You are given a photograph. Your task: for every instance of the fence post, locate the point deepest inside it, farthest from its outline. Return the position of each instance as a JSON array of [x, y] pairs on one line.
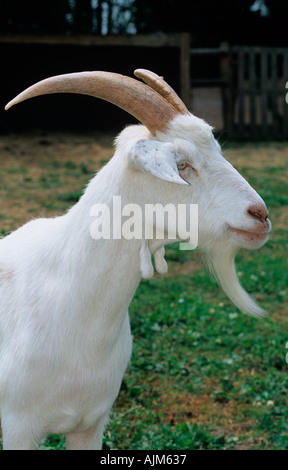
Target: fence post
[[225, 72], [264, 91], [285, 104], [241, 93], [253, 91], [185, 68]]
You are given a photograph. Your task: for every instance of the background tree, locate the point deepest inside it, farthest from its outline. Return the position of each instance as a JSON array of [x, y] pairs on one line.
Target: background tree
[[258, 22]]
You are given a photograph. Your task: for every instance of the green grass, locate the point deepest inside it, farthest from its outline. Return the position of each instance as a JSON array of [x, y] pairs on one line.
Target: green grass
[[202, 374]]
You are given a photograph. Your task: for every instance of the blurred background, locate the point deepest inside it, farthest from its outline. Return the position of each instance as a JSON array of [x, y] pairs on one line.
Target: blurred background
[[202, 375], [227, 60]]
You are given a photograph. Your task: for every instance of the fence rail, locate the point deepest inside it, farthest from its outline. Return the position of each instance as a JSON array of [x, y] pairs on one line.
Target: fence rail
[[180, 41]]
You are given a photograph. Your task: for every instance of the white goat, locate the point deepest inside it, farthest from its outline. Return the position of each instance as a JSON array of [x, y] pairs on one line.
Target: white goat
[[64, 329]]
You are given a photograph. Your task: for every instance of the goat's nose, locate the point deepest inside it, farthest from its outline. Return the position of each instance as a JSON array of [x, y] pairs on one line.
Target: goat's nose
[[258, 212]]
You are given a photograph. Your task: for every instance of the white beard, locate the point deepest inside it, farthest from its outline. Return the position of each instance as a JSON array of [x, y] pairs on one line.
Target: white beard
[[220, 261]]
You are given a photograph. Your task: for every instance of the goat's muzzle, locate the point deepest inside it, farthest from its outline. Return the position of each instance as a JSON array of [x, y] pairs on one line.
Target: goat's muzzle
[[256, 233]]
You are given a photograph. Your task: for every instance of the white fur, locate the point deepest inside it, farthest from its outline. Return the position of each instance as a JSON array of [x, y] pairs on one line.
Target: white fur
[[64, 329]]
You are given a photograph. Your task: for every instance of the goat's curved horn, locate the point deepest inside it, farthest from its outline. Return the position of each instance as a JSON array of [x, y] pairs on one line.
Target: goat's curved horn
[[138, 99], [158, 84]]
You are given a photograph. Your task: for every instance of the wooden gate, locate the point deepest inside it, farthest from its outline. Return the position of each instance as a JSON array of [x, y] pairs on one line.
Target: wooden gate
[[258, 77]]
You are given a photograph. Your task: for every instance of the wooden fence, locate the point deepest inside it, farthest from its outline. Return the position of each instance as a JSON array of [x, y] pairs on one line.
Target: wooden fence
[[180, 41], [252, 80], [257, 106]]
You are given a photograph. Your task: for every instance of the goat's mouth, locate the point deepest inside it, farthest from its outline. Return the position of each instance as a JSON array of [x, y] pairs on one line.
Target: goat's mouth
[[260, 234]]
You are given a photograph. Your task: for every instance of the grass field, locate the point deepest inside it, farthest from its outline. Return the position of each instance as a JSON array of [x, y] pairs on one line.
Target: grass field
[[202, 374]]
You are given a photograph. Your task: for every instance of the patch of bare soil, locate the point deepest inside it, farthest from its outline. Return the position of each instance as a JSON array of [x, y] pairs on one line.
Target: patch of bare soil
[[261, 157], [37, 167], [63, 146], [204, 410]]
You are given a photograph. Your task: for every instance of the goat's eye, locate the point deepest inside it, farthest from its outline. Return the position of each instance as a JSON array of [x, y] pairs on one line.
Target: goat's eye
[[182, 165]]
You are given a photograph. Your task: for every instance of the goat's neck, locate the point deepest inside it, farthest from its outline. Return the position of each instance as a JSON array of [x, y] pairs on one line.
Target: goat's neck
[[109, 269]]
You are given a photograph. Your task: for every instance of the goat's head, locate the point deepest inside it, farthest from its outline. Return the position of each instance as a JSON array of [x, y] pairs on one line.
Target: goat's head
[[183, 154]]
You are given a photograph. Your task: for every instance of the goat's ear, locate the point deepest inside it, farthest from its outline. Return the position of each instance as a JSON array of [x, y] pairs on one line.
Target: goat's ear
[[157, 158]]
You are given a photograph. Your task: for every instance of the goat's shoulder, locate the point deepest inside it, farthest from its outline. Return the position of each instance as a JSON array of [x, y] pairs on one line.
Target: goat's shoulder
[[36, 230]]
